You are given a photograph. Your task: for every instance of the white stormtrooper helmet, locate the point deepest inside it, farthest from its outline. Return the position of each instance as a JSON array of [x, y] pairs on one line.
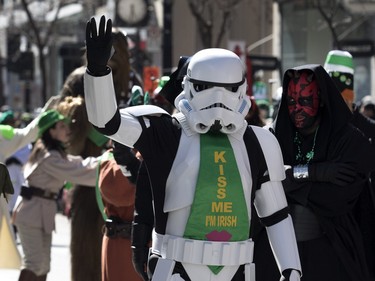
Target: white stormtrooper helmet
[[214, 95]]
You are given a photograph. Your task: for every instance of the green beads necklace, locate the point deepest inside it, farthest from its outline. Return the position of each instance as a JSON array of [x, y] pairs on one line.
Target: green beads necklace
[[300, 158]]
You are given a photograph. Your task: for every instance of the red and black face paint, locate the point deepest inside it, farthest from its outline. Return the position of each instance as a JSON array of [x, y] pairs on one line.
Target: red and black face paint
[[302, 99]]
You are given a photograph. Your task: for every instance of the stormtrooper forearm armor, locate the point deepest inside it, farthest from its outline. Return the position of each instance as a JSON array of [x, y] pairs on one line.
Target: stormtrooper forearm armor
[[271, 205], [100, 97]]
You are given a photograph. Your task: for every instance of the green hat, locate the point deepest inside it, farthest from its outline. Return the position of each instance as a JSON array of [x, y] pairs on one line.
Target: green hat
[[48, 118], [136, 96], [5, 116], [162, 81], [339, 61]]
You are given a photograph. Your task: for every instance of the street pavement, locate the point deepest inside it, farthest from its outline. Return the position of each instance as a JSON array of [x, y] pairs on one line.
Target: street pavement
[[60, 254]]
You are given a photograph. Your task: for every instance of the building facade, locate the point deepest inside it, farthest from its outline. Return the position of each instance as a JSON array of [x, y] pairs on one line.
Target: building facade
[[276, 34]]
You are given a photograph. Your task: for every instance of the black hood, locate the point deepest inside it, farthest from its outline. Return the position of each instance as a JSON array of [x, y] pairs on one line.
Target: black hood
[[335, 114]]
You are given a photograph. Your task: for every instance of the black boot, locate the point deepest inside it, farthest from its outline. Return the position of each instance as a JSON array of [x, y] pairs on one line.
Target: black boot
[[27, 275], [42, 277]]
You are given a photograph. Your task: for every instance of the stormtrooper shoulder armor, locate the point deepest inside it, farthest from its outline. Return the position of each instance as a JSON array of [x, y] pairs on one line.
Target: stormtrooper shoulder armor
[[272, 153]]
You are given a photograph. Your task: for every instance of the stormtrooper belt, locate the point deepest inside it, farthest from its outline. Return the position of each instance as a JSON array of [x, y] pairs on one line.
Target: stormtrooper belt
[[203, 252]]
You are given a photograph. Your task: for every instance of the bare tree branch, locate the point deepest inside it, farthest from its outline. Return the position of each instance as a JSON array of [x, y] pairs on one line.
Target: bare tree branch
[[203, 11], [328, 16], [223, 27], [41, 41]]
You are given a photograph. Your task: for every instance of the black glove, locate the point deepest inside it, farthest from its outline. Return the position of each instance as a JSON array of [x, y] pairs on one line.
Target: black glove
[[124, 156], [98, 46], [140, 259], [336, 173], [141, 236]]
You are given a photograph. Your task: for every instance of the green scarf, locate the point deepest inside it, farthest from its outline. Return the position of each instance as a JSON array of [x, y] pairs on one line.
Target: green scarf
[[219, 210]]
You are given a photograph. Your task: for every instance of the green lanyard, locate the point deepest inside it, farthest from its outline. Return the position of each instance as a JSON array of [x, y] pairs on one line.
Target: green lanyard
[[106, 156]]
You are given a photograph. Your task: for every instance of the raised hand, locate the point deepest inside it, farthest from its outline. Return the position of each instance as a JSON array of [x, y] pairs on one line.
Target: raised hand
[[98, 46]]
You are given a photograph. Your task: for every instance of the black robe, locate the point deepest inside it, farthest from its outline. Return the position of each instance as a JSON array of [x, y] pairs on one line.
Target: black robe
[[339, 254]]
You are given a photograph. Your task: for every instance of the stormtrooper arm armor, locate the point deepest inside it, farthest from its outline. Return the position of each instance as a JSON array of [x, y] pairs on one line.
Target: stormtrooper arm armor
[[272, 208], [120, 125], [100, 99]]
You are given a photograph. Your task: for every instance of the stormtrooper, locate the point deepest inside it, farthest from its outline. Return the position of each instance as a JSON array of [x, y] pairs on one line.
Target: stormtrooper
[[205, 167]]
